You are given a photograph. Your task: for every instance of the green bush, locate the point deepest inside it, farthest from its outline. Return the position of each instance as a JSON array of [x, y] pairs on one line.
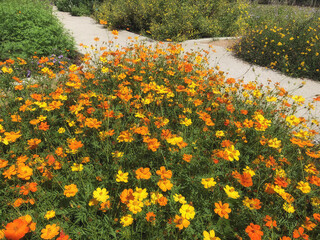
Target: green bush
[[285, 40], [176, 20], [76, 7], [29, 27]]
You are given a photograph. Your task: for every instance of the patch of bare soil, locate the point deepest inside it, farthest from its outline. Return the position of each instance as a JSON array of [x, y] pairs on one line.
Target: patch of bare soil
[[228, 43]]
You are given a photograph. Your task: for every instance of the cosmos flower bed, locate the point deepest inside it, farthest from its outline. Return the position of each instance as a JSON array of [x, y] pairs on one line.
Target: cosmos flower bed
[[148, 143]]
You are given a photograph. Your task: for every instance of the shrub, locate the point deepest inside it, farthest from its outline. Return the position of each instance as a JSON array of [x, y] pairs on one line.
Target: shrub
[[176, 20], [148, 143], [290, 46], [28, 28], [76, 7]]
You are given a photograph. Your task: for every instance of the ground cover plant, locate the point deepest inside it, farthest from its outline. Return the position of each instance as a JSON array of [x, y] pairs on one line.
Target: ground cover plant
[[175, 20], [29, 28], [149, 143], [283, 38]]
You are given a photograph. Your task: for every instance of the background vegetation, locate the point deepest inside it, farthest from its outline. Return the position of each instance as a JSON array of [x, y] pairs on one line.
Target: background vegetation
[[175, 20], [29, 27], [283, 38]]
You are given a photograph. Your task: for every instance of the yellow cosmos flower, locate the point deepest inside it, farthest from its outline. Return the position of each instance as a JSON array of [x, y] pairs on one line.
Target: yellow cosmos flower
[[231, 192], [304, 187], [50, 214], [274, 143], [174, 140], [208, 182], [271, 99], [77, 167], [140, 194], [6, 70], [187, 211], [50, 231], [232, 153], [126, 220], [288, 207], [179, 198], [61, 130], [186, 121], [249, 170], [101, 194], [220, 134], [135, 206], [293, 120], [122, 177], [210, 235]]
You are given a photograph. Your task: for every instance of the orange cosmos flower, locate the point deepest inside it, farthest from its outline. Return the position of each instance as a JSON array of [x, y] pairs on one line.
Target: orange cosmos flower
[[162, 201], [44, 126], [245, 179], [269, 222], [125, 136], [50, 231], [181, 222], [254, 232], [36, 96], [33, 143], [10, 172], [11, 136], [153, 143], [126, 195], [187, 157], [63, 236], [70, 190], [18, 202], [55, 105], [15, 118], [308, 224], [103, 22], [24, 172], [143, 173], [74, 144], [144, 130], [18, 87], [164, 173], [316, 216], [3, 163], [253, 203], [16, 229], [92, 123], [222, 210], [285, 238], [165, 185], [297, 233], [150, 217], [28, 187]]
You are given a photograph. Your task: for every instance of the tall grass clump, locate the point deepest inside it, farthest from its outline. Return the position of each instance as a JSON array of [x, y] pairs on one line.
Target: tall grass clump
[[149, 143], [286, 39], [175, 20], [28, 28]]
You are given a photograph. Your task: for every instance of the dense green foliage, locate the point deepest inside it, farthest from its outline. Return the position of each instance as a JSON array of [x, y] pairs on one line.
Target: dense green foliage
[[283, 38], [29, 27], [176, 20], [76, 7]]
